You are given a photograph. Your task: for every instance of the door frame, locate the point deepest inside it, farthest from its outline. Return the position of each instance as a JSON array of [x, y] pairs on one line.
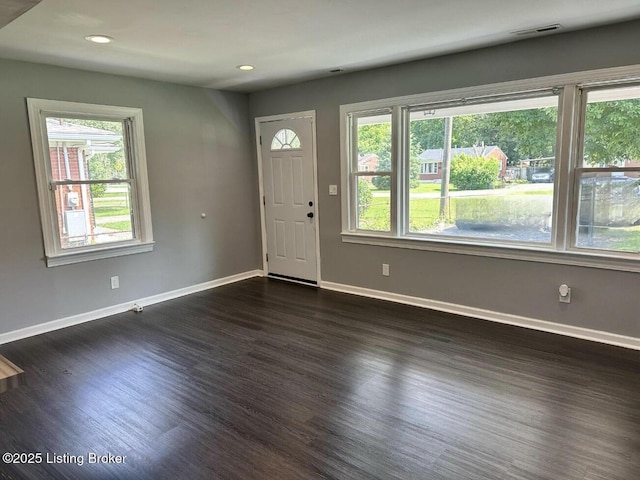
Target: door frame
[[314, 156]]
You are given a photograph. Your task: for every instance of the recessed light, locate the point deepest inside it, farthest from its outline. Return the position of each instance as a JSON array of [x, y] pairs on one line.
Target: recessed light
[[98, 38], [245, 68]]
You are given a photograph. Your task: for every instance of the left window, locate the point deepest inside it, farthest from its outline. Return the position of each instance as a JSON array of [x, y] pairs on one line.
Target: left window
[[91, 174]]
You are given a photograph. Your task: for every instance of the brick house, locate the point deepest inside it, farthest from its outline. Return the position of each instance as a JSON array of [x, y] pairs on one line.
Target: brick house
[[368, 162], [431, 159], [70, 148]]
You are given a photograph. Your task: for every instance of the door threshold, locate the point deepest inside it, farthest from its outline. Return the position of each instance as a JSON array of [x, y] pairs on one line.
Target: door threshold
[[287, 278], [11, 376]]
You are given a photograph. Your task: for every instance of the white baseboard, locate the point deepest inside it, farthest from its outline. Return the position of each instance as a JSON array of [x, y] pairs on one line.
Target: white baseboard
[[123, 307], [533, 323]]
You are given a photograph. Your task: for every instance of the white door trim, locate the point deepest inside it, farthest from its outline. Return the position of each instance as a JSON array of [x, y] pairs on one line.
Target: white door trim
[[263, 225]]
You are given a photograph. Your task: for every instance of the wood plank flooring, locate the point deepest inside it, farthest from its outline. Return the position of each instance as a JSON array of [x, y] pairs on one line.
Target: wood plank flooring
[[268, 380]]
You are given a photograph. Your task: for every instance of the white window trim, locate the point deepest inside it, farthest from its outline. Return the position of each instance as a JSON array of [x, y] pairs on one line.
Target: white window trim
[[560, 250], [38, 110], [430, 168]]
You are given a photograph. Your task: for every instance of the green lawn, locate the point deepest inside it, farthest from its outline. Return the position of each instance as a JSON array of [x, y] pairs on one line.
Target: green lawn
[[424, 214], [122, 226], [424, 211], [430, 188], [512, 208], [423, 188], [535, 192], [628, 239], [623, 239], [529, 209], [110, 205]]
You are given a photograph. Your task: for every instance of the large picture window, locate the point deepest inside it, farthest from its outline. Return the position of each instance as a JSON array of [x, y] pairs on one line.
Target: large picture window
[[474, 193], [91, 175], [551, 169]]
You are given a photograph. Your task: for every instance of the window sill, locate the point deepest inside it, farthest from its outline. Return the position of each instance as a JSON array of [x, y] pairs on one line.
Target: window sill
[[621, 262], [98, 253]]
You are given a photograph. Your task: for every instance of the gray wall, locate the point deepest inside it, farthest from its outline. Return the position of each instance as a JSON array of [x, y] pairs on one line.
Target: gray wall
[[199, 160], [601, 299]]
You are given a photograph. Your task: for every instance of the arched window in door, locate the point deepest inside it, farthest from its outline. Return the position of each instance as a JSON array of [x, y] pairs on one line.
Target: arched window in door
[[284, 139]]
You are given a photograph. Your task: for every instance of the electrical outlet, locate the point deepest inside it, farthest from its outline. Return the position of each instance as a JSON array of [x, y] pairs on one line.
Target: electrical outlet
[[385, 269], [137, 308], [564, 294], [115, 282]]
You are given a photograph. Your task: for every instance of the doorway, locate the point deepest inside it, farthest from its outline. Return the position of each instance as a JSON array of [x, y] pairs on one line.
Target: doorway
[[288, 188]]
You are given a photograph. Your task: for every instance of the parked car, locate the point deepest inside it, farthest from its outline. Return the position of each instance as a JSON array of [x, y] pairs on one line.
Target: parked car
[[542, 177], [613, 180]]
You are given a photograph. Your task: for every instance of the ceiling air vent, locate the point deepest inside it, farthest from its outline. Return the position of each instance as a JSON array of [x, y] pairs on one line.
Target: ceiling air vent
[[537, 30]]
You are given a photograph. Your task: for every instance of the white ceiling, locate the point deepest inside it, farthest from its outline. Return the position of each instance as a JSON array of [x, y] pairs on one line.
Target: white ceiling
[[200, 42]]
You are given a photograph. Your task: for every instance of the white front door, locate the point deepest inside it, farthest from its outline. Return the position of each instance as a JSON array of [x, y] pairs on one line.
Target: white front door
[[289, 198]]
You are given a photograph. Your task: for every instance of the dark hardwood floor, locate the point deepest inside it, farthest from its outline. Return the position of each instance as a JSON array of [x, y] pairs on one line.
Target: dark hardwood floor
[[269, 380]]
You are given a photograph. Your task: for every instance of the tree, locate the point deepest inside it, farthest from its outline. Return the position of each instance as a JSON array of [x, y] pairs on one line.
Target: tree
[[525, 134], [383, 182], [414, 164], [102, 166], [376, 139], [611, 132], [474, 173], [521, 134], [428, 133], [364, 196]]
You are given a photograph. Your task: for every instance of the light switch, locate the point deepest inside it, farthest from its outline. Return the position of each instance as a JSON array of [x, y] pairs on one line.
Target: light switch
[[333, 189]]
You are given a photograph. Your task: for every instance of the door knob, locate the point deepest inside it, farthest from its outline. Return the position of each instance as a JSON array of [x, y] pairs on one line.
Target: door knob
[[310, 214]]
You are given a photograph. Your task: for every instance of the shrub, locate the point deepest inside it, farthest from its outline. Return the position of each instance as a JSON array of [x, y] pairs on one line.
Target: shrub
[[474, 173], [382, 182], [364, 195]]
